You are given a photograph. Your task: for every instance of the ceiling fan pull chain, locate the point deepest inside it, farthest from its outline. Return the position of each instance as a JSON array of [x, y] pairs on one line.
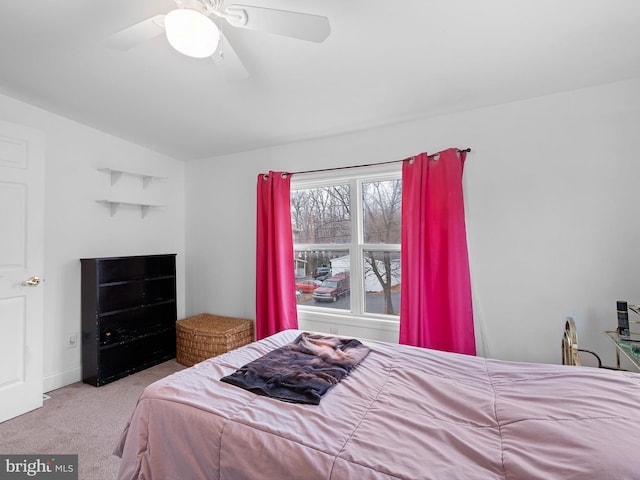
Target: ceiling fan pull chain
[[221, 49]]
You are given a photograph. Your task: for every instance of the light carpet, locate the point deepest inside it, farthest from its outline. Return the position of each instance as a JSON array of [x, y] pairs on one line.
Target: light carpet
[[84, 420]]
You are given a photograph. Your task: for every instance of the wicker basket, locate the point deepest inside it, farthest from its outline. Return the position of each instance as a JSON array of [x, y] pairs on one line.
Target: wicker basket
[[204, 336]]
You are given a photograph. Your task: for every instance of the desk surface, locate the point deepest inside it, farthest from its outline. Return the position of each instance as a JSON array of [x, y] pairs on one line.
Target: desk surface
[[629, 348]]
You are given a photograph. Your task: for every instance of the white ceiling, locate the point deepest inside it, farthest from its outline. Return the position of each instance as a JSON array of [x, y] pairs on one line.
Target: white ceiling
[[384, 62]]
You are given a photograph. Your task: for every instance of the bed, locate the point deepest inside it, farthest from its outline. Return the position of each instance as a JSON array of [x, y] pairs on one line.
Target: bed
[[402, 413]]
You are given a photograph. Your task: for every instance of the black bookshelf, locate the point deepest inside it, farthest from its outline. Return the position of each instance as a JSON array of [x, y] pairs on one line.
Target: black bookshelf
[[128, 315]]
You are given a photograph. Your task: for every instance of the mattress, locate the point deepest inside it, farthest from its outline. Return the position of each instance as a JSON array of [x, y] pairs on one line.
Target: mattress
[[403, 413]]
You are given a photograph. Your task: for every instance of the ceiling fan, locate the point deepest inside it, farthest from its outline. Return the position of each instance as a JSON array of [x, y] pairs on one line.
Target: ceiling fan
[[195, 28]]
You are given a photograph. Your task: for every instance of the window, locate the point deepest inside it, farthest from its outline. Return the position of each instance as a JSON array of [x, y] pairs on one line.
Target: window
[[346, 235]]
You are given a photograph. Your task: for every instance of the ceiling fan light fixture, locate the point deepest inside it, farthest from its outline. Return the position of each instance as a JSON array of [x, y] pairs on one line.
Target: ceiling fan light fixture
[[191, 32]]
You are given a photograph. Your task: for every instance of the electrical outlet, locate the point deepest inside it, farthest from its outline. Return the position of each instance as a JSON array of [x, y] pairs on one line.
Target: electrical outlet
[[333, 330], [72, 341]]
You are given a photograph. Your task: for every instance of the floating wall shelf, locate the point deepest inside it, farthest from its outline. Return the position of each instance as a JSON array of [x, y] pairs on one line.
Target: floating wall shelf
[[116, 174], [115, 204]]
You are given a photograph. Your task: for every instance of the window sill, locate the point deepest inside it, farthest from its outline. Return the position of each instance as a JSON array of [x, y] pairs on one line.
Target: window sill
[[371, 328]]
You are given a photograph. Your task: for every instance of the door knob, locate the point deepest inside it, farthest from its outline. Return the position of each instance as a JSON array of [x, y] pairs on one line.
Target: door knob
[[31, 282]]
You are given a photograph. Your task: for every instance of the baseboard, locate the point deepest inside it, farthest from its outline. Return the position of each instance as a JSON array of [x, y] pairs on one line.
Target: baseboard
[[59, 380]]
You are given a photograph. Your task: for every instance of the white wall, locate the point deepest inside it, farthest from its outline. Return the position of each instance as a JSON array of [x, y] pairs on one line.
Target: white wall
[[552, 208], [78, 227]]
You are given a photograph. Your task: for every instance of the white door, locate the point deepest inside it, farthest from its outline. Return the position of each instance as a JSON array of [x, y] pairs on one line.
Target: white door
[[21, 269]]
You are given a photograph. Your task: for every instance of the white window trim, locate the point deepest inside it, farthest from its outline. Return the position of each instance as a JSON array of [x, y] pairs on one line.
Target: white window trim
[[355, 177]]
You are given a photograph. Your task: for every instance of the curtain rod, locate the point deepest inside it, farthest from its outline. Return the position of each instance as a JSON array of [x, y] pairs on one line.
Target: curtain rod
[[467, 150]]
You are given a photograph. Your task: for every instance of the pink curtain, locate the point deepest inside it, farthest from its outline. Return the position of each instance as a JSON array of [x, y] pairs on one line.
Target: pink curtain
[[435, 305], [275, 283]]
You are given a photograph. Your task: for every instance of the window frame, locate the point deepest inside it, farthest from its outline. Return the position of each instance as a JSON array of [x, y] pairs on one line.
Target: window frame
[[355, 177]]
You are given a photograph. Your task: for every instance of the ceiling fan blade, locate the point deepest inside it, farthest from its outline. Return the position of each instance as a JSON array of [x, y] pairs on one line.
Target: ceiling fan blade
[[135, 34], [304, 26], [228, 62]]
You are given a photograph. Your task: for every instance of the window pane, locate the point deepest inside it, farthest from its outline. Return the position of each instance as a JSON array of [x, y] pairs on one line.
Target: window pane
[[382, 211], [321, 215], [322, 278], [382, 282]]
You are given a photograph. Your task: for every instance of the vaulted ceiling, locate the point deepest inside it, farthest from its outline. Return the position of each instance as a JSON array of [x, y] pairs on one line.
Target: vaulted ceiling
[[384, 62]]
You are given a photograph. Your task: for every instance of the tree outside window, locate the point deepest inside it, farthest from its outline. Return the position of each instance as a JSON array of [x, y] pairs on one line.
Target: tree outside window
[[350, 228]]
